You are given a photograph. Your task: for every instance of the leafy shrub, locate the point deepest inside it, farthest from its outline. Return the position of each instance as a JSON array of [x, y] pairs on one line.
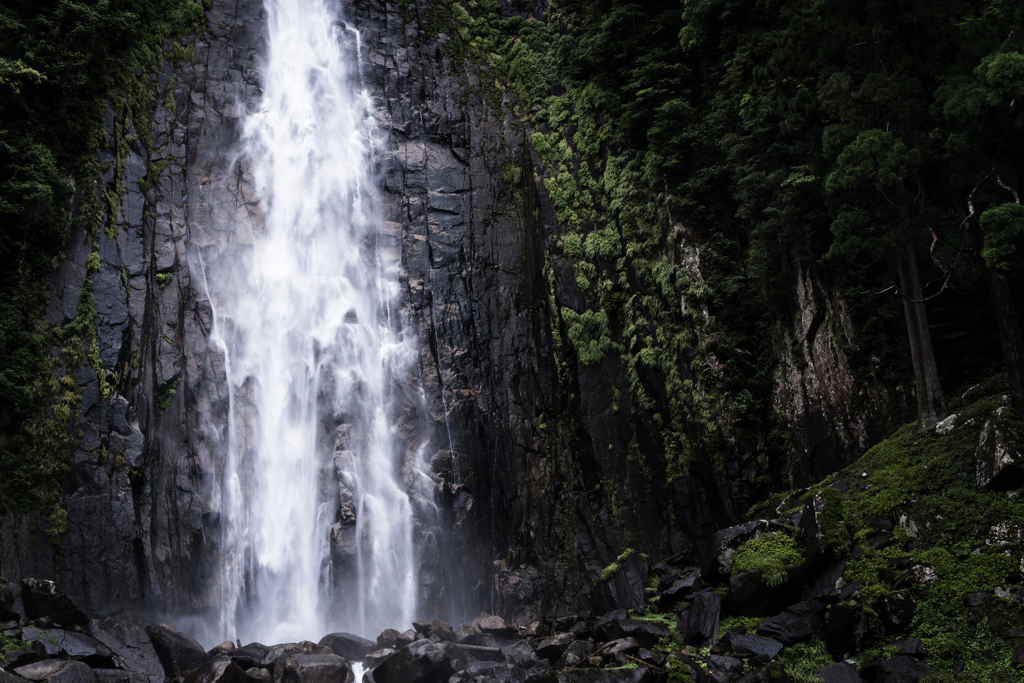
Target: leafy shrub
[[769, 554]]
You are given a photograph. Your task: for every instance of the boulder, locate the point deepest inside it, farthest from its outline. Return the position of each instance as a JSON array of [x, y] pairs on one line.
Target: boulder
[[10, 678], [277, 657], [130, 647], [222, 649], [481, 652], [638, 675], [816, 549], [623, 588], [699, 622], [730, 667], [373, 659], [842, 672], [220, 669], [496, 626], [57, 671], [845, 630], [118, 676], [19, 658], [553, 648], [462, 634], [684, 589], [797, 624], [896, 670], [909, 647], [7, 612], [537, 629], [507, 672], [481, 668], [60, 644], [419, 662], [317, 669], [348, 646], [388, 638], [576, 655], [249, 657], [750, 597], [897, 609], [42, 598], [178, 652], [442, 629], [519, 653], [718, 565], [752, 645], [999, 465], [644, 632], [829, 585], [626, 646]]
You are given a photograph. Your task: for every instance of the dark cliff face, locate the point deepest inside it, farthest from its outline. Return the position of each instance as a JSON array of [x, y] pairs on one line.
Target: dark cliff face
[[545, 473]]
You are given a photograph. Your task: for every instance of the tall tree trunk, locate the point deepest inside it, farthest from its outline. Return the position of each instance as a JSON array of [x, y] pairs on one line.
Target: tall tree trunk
[[931, 402], [1009, 332]]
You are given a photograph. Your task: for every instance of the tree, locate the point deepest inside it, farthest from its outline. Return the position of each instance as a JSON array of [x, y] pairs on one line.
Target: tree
[[877, 218]]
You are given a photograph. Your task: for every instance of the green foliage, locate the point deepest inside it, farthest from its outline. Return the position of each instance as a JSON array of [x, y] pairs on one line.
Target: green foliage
[[589, 334], [748, 624], [924, 483], [802, 661], [609, 572], [164, 393], [8, 645], [769, 554], [1003, 229], [164, 279]]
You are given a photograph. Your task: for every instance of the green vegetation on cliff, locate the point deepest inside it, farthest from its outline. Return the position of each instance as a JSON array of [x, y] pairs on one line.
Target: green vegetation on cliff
[[921, 559], [721, 171], [58, 63]]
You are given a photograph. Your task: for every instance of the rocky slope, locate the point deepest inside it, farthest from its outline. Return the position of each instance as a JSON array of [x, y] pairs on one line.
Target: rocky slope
[[904, 567]]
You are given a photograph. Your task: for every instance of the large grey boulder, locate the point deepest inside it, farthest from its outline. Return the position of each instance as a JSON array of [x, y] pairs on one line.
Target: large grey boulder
[[43, 598], [220, 669], [752, 645], [179, 653], [60, 644], [57, 671], [276, 659], [700, 621], [348, 646], [317, 669], [118, 676], [797, 624], [998, 459], [637, 675], [419, 662], [130, 647], [625, 588]]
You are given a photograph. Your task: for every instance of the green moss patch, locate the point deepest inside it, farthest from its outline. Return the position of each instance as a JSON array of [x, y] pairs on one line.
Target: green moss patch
[[769, 554]]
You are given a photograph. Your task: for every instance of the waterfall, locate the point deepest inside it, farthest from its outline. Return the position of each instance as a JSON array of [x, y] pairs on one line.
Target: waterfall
[[317, 530]]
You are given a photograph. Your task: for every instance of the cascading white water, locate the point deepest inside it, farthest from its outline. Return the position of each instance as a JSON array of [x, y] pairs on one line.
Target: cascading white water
[[308, 343]]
